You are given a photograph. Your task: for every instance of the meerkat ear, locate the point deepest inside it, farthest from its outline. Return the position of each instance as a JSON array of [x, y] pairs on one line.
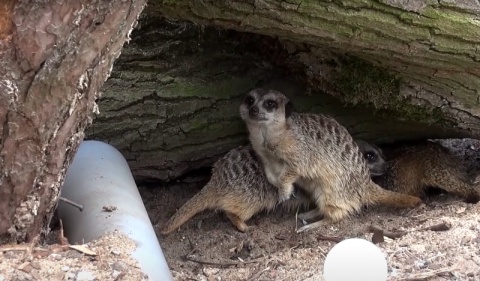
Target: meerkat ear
[[288, 109]]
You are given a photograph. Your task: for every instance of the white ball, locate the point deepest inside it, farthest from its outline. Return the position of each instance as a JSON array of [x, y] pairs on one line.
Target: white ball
[[355, 259]]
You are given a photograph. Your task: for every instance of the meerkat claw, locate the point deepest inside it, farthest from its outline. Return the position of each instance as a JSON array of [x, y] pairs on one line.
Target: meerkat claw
[[309, 215], [310, 226]]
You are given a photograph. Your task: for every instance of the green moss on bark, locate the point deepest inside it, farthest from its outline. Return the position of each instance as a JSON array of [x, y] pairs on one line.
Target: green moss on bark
[[363, 83]]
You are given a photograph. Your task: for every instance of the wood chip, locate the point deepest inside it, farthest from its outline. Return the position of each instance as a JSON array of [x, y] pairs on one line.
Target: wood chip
[[83, 249], [377, 236], [25, 267]]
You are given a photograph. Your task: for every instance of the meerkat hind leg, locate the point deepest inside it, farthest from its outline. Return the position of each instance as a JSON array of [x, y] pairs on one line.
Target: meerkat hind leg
[[331, 214], [390, 198], [237, 221], [312, 225]]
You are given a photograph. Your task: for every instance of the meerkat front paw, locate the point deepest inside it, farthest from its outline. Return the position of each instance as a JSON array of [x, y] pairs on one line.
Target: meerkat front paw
[[270, 146], [284, 196], [309, 215], [286, 192]]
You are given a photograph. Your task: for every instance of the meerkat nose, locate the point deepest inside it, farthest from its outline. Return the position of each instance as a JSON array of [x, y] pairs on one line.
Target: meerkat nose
[[253, 111]]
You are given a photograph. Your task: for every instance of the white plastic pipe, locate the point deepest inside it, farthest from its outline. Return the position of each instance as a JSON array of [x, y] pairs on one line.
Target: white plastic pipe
[[99, 176]]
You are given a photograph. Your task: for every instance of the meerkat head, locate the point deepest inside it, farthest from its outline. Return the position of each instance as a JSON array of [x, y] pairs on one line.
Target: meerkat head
[[374, 157], [265, 106]]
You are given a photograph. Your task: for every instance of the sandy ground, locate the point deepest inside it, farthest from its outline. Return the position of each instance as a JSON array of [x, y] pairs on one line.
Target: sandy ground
[[439, 241], [108, 258]]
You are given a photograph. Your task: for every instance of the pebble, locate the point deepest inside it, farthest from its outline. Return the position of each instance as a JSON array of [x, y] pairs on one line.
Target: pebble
[[2, 277], [115, 274], [35, 275], [85, 276], [9, 255], [418, 248], [115, 252], [73, 254], [208, 271], [35, 264], [56, 256], [69, 276], [119, 266], [22, 276], [65, 268], [242, 271], [25, 267]]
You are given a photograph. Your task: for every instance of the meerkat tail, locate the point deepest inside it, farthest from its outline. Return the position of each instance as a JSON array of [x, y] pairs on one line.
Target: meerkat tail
[[463, 190], [473, 197], [389, 198], [198, 203], [455, 185]]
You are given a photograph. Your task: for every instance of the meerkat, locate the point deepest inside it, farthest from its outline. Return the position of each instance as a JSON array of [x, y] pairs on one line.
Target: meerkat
[[238, 186], [412, 168], [316, 151]]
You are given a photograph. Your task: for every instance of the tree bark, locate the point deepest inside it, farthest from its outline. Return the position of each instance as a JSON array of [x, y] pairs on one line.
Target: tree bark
[[55, 55], [431, 47], [171, 104]]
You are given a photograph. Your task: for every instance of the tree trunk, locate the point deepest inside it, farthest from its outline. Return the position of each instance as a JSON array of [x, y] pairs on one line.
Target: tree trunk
[[431, 47], [172, 102], [55, 55]]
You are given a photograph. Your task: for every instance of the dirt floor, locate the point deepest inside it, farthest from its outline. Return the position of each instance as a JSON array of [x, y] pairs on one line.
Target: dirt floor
[[440, 241], [108, 258]]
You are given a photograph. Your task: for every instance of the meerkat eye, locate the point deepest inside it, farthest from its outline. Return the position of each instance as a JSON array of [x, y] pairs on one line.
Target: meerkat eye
[[270, 104], [370, 156], [249, 100]]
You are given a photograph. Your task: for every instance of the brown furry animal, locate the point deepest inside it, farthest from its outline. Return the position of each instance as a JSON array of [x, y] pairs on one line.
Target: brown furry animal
[[315, 151], [239, 187], [412, 168]]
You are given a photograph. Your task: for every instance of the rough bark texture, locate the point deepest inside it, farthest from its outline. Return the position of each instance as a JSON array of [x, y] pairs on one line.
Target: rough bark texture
[[171, 104], [55, 55], [430, 46]]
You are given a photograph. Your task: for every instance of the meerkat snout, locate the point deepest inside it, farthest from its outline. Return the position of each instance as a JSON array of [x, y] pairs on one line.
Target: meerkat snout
[[253, 112]]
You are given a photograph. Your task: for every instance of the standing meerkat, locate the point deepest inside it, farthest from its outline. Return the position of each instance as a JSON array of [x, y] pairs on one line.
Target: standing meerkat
[[412, 168], [238, 186], [316, 151]]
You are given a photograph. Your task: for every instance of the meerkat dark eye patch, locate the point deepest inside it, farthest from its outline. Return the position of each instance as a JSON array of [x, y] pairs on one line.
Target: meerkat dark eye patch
[[288, 109], [270, 105], [370, 156], [249, 100]]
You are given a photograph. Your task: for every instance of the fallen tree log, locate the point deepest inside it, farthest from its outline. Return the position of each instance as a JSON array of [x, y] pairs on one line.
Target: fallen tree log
[[430, 47], [171, 104]]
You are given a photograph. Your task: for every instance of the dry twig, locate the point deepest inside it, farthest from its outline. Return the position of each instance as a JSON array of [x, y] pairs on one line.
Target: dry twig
[[329, 238], [428, 274], [229, 263], [393, 235], [258, 274]]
